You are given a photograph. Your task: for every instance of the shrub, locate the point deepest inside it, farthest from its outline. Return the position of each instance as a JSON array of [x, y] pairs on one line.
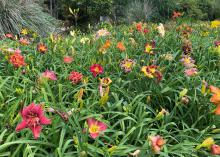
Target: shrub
[[16, 14]]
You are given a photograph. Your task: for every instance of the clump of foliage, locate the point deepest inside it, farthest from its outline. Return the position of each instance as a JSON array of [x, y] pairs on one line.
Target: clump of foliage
[[18, 14], [132, 90]]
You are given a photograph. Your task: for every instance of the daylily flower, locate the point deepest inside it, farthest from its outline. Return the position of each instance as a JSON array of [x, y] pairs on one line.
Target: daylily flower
[[146, 30], [67, 59], [50, 75], [152, 72], [95, 127], [191, 72], [24, 31], [17, 60], [84, 40], [149, 47], [176, 14], [215, 24], [187, 47], [215, 99], [75, 77], [33, 118], [9, 35], [24, 41], [127, 65], [120, 46], [102, 33], [105, 81], [96, 69], [161, 30], [157, 143], [187, 61], [105, 47], [217, 43], [139, 27], [215, 149], [42, 48]]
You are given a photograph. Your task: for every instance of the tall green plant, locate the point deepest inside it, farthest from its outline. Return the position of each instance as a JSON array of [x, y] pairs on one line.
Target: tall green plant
[[17, 14]]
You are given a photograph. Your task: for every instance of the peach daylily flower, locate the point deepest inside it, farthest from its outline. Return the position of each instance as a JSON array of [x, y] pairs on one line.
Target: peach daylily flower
[[157, 143]]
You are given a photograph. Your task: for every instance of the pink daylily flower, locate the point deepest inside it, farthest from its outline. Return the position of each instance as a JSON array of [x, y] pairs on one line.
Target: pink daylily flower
[[95, 127], [49, 75], [33, 118]]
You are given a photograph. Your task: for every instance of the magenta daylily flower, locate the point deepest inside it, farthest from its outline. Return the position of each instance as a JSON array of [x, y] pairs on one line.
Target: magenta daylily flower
[[95, 127], [49, 75], [33, 118]]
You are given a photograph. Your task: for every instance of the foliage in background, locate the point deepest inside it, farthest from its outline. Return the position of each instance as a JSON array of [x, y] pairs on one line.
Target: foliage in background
[[18, 14]]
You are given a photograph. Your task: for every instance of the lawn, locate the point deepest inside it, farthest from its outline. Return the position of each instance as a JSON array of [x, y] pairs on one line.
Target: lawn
[[140, 90]]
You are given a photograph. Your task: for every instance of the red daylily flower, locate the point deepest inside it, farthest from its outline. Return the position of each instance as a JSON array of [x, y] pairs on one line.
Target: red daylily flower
[[67, 59], [42, 48], [96, 69], [17, 60], [95, 127], [157, 143], [139, 27], [75, 77], [33, 118]]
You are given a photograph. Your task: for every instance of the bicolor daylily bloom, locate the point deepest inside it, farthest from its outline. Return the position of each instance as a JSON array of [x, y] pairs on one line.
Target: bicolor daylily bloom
[[157, 143], [42, 48], [149, 47], [96, 69], [95, 127], [75, 77], [152, 72], [187, 61], [127, 65], [50, 75], [33, 118], [105, 81]]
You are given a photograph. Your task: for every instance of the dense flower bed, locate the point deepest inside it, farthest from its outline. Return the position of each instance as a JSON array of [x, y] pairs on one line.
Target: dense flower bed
[[137, 90]]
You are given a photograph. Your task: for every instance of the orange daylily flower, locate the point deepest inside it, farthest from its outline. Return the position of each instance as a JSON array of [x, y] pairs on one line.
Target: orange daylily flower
[[121, 46], [215, 99], [176, 14]]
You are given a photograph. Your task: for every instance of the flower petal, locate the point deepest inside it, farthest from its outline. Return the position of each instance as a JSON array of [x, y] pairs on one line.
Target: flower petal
[[94, 135], [91, 121], [214, 90], [36, 131], [21, 126], [44, 120]]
